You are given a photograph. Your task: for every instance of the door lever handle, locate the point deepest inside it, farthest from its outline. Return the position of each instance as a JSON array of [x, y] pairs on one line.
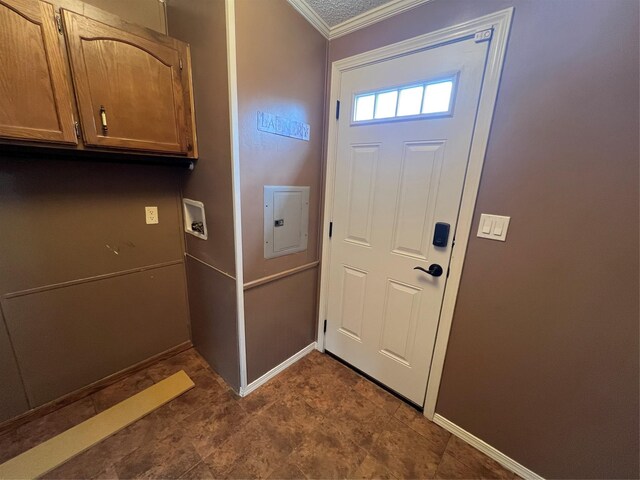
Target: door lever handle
[[434, 270]]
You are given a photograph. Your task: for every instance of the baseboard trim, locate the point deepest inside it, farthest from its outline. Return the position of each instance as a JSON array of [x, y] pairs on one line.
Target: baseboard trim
[[485, 448], [83, 392], [277, 369]]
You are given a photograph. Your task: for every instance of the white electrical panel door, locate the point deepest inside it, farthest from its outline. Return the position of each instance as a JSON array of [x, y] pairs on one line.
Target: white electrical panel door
[[286, 220]]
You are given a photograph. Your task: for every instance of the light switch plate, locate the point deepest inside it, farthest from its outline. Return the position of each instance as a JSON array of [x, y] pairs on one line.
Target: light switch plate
[[151, 214], [493, 227]]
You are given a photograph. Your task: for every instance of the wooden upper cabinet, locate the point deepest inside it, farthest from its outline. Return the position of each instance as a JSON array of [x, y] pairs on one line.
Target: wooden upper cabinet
[[129, 88], [35, 93]]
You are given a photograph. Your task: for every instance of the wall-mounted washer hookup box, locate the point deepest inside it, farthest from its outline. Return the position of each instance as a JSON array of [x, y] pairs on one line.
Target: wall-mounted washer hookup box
[[286, 220], [195, 221]]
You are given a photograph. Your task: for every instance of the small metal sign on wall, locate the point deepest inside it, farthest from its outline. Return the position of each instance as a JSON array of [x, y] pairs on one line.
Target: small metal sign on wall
[[283, 126]]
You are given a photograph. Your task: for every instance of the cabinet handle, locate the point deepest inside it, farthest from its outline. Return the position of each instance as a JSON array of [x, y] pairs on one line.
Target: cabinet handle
[[103, 119]]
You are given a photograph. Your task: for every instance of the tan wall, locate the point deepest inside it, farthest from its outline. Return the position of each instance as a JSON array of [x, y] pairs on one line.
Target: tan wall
[[202, 25], [74, 238], [280, 320], [281, 70], [212, 294], [146, 13], [212, 298], [543, 357], [66, 338], [13, 399]]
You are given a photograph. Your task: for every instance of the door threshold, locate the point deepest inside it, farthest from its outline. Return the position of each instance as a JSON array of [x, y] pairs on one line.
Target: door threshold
[[377, 382]]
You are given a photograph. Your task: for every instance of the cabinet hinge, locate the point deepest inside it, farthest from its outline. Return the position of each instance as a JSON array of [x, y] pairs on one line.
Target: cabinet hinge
[[330, 229], [180, 63], [76, 126], [338, 110], [59, 23], [325, 325]]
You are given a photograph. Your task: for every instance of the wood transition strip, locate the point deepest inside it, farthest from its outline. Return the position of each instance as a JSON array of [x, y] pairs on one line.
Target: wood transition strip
[[61, 448], [90, 389], [278, 276]]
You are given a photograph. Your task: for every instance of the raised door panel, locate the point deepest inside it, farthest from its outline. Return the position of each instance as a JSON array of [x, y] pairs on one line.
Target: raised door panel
[[400, 320], [417, 192], [362, 178], [354, 288], [129, 88], [35, 94]]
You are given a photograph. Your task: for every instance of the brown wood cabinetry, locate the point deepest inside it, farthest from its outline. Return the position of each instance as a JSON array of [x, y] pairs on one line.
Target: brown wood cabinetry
[[132, 87], [128, 88], [35, 94]]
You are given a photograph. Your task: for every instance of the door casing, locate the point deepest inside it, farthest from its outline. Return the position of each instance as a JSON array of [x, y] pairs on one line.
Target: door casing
[[499, 24]]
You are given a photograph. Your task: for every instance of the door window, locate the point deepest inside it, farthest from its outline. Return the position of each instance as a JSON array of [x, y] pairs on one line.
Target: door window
[[431, 98]]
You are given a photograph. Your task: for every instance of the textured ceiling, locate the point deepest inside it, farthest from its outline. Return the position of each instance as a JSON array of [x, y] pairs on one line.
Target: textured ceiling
[[334, 12]]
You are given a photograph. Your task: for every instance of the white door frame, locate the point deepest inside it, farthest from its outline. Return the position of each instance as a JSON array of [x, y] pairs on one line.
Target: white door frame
[[500, 23]]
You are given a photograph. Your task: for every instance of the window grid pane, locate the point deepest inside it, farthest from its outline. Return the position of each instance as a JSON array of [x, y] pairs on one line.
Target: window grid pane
[[437, 97], [410, 101], [364, 107], [386, 104]]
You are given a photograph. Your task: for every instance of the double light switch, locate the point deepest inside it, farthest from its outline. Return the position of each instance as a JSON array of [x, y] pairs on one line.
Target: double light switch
[[493, 227]]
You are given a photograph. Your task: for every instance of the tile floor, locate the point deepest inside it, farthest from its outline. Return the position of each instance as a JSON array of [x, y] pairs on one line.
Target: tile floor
[[318, 419]]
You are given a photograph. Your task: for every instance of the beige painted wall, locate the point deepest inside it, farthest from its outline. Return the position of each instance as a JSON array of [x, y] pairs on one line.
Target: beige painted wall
[[202, 25], [280, 320], [281, 70], [73, 235], [543, 357], [67, 338], [212, 300], [146, 13], [289, 48], [13, 399], [211, 292], [282, 74], [74, 238]]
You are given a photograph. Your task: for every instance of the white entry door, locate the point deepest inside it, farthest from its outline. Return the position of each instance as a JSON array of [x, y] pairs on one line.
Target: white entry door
[[404, 136]]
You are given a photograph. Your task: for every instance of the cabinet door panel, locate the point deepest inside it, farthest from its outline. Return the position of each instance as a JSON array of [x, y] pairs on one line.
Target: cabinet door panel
[[35, 95], [128, 88]]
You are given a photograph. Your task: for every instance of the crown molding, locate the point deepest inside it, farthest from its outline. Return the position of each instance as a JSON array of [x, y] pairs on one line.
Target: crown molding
[[394, 7], [311, 16], [372, 16]]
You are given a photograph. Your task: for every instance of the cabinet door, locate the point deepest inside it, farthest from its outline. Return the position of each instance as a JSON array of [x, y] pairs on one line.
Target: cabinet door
[[35, 94], [128, 87]]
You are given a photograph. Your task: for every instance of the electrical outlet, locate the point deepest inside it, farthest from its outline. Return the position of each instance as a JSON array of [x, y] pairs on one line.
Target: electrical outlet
[[151, 215]]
